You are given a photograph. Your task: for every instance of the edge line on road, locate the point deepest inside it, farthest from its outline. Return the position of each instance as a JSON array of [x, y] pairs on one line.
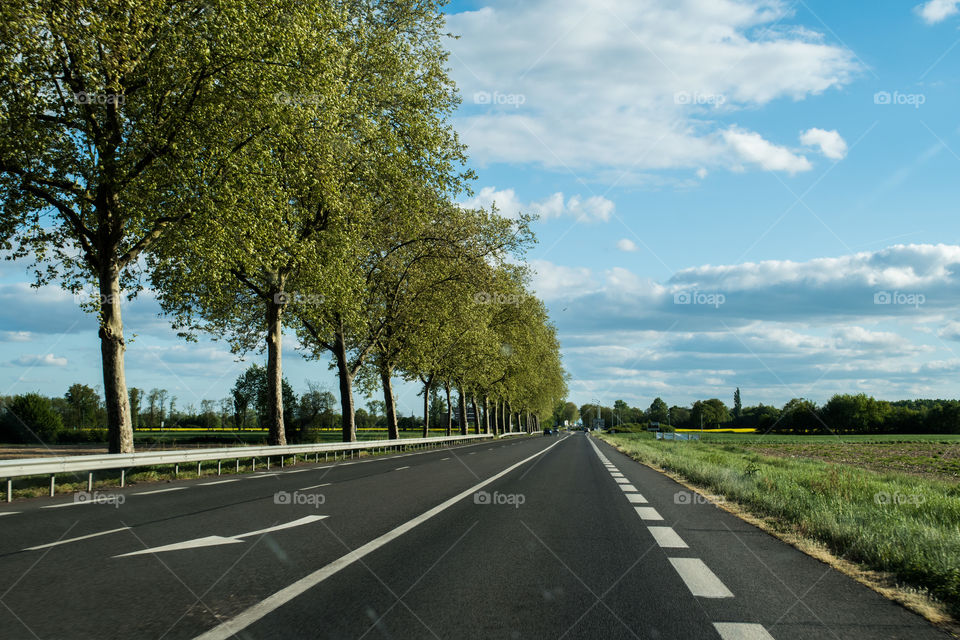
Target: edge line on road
[[231, 627]]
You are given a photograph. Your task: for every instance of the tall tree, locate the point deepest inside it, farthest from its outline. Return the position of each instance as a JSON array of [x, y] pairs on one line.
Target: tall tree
[[116, 118]]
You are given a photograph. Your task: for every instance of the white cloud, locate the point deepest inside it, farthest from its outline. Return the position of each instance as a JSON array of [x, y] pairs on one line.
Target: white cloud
[[831, 144], [937, 10], [45, 360], [552, 281], [17, 336], [626, 244], [592, 209], [784, 328], [751, 147], [631, 86], [506, 201]]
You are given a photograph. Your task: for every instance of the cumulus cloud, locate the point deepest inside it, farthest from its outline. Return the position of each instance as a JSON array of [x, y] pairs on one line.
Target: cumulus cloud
[[938, 10], [592, 209], [44, 360], [781, 328], [753, 148], [626, 244], [830, 143], [16, 336], [634, 86]]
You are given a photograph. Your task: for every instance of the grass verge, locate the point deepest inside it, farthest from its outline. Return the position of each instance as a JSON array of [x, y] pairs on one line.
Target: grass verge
[[904, 526]]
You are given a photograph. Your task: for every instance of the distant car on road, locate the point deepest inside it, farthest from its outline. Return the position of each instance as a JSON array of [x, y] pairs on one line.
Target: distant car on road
[[548, 432]]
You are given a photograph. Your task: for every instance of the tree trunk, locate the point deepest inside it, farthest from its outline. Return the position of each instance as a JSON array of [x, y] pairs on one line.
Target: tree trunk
[[112, 347], [446, 386], [486, 413], [462, 412], [508, 410], [528, 422], [348, 425], [393, 431], [476, 414], [426, 407], [278, 434]]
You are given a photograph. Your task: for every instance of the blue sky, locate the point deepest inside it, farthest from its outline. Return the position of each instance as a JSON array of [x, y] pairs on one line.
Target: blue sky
[[756, 194]]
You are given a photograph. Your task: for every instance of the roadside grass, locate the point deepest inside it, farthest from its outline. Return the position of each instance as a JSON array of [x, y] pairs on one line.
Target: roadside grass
[[900, 524], [864, 438]]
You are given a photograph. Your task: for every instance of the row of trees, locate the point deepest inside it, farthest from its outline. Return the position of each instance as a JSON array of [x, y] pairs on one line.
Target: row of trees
[[843, 413], [269, 166]]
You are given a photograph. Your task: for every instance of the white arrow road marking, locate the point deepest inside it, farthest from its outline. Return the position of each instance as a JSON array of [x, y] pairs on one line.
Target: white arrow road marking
[[150, 493], [210, 541], [741, 631], [59, 542]]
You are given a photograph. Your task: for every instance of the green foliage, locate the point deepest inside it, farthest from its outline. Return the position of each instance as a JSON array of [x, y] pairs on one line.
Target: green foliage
[[29, 419]]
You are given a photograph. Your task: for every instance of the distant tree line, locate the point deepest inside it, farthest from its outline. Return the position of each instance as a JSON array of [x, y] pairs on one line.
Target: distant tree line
[[843, 413]]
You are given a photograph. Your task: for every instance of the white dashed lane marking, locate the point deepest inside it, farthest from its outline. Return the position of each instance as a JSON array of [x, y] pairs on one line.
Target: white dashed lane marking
[[667, 538], [648, 513], [699, 579], [636, 498]]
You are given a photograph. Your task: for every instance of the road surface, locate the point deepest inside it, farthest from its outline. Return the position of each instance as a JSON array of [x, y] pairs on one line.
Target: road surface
[[539, 537]]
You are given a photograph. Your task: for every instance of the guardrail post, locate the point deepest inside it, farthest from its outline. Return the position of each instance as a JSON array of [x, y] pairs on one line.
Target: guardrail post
[[90, 482], [123, 478], [281, 461], [52, 481], [218, 467], [254, 463], [238, 465], [198, 468], [9, 489], [268, 463], [176, 470]]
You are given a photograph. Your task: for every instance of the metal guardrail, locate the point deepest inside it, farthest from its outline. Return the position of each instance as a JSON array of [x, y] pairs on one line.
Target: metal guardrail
[[20, 468]]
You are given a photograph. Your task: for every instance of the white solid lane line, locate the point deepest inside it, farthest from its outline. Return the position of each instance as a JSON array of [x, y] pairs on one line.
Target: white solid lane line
[[150, 493], [210, 484], [316, 486], [401, 468], [68, 540], [667, 538], [232, 627], [628, 488], [442, 459], [262, 475], [741, 631], [648, 513], [699, 579], [9, 513], [636, 498]]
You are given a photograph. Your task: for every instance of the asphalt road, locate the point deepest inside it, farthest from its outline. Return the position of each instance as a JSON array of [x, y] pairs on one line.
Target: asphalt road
[[541, 537]]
